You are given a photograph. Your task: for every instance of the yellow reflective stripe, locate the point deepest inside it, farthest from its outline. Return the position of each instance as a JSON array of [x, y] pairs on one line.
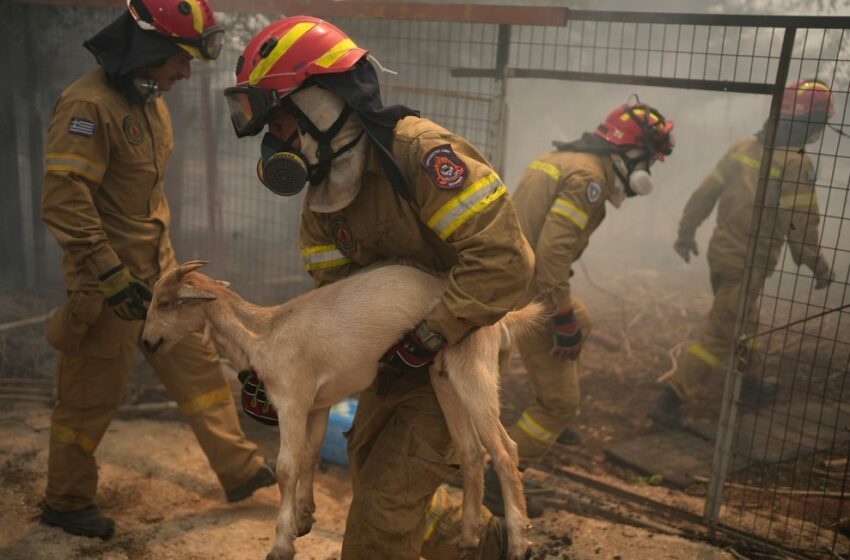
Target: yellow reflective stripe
[[196, 53], [570, 211], [74, 163], [471, 200], [808, 86], [335, 53], [546, 168], [197, 16], [283, 45], [798, 200], [534, 430], [435, 512], [319, 257], [203, 402], [750, 161], [68, 436], [652, 118], [704, 354]]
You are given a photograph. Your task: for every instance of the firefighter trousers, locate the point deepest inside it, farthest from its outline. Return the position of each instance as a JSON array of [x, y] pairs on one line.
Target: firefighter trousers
[[96, 354], [400, 452], [710, 352], [556, 385]]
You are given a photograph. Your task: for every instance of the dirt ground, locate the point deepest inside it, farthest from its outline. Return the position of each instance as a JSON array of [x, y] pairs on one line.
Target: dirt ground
[[155, 483]]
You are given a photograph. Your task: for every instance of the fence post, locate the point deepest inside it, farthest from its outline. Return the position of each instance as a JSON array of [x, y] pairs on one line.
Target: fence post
[[503, 53], [732, 387]]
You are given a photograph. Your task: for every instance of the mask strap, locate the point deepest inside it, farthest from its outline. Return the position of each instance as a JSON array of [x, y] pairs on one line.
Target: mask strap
[[348, 146]]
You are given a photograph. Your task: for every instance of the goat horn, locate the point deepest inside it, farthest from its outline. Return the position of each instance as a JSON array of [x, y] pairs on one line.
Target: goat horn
[[191, 293], [188, 267]]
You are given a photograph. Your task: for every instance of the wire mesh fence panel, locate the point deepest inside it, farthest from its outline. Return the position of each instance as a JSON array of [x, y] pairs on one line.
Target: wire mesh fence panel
[[790, 423]]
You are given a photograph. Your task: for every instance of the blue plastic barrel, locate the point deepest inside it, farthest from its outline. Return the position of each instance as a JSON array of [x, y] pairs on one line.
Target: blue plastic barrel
[[333, 448]]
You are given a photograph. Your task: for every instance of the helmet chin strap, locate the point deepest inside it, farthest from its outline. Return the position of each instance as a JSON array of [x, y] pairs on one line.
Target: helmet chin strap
[[838, 130], [324, 152], [147, 88]]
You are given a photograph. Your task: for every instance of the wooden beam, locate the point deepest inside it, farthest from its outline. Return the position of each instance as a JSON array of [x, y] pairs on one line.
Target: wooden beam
[[461, 13]]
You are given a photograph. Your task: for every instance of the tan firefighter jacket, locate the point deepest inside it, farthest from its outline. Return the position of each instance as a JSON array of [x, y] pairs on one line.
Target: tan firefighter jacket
[[460, 221], [791, 208], [103, 194], [560, 201]]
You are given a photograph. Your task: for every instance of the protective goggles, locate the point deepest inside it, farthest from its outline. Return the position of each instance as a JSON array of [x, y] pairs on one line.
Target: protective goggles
[[250, 108], [208, 44]]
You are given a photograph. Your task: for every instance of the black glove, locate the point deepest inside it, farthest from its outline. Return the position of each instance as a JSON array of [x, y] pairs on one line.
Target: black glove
[[125, 294], [823, 274], [567, 335], [255, 402], [415, 350], [684, 247]]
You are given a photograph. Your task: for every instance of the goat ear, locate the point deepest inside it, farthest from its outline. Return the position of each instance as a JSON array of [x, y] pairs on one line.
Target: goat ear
[[190, 293], [188, 267], [206, 338], [224, 283]]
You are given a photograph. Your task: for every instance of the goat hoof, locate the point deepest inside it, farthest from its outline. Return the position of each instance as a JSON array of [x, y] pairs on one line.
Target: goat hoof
[[305, 525], [277, 554], [519, 553]]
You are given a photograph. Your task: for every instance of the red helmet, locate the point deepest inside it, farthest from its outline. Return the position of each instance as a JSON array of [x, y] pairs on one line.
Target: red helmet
[[278, 60], [808, 99], [189, 23], [636, 125]]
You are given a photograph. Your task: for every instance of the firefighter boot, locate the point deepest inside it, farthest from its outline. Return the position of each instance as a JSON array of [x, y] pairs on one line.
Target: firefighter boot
[[264, 477], [569, 437], [494, 501], [754, 390], [668, 409], [86, 522]]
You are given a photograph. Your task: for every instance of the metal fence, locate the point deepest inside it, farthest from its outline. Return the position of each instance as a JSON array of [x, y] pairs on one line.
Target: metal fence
[[477, 71]]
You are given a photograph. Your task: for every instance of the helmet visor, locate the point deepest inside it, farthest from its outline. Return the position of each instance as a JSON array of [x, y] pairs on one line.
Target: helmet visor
[[208, 45], [211, 42], [250, 108]]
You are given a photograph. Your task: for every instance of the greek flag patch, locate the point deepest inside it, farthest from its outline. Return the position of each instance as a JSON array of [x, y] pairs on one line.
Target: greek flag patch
[[81, 126]]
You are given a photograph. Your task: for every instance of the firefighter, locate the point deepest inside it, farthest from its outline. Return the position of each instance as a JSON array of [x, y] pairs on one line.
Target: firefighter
[[791, 212], [561, 200], [107, 146], [384, 184]]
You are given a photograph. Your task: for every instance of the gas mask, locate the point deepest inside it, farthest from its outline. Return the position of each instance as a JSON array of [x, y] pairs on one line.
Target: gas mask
[[331, 158], [632, 170], [282, 168]]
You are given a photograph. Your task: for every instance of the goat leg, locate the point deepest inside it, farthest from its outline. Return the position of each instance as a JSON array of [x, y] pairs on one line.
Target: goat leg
[[293, 428], [471, 455], [317, 424]]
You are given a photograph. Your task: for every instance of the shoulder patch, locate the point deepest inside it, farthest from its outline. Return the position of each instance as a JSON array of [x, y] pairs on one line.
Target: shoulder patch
[[593, 191], [134, 133], [446, 170], [81, 126]]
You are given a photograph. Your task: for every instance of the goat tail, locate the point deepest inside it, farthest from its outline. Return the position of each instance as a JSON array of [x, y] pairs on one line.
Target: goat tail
[[522, 322]]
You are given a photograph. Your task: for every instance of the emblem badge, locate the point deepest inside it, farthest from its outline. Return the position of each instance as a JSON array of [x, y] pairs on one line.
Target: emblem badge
[[593, 191], [446, 170], [341, 234], [134, 133]]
